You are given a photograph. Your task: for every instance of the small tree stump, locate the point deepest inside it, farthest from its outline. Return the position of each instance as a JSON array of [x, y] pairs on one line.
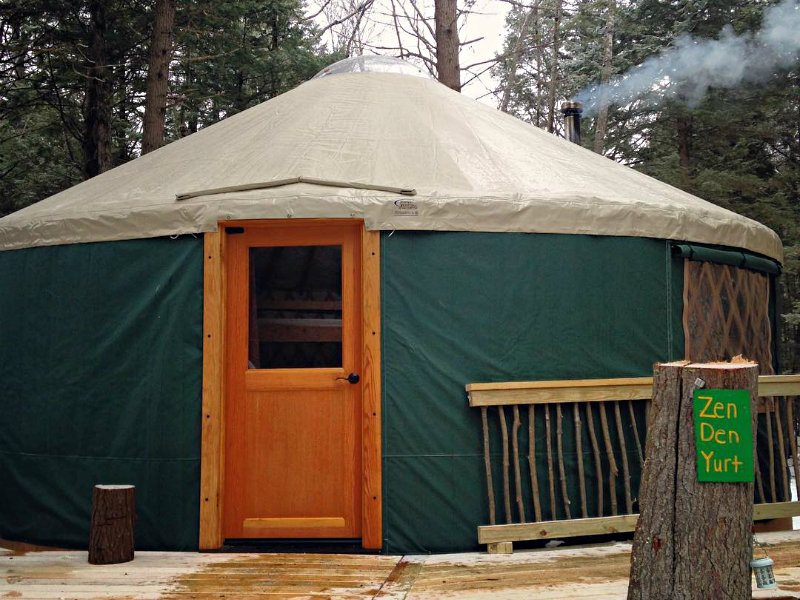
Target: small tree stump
[[113, 521], [693, 539]]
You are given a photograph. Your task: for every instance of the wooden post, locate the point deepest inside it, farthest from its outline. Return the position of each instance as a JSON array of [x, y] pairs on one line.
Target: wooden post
[[693, 539], [113, 521]]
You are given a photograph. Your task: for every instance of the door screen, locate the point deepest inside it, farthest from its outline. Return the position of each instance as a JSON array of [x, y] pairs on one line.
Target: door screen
[[295, 307]]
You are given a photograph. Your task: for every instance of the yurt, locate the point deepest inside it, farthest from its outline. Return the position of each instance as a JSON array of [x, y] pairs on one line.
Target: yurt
[[269, 326]]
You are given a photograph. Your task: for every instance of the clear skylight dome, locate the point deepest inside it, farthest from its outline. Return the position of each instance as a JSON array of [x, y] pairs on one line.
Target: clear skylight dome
[[372, 64]]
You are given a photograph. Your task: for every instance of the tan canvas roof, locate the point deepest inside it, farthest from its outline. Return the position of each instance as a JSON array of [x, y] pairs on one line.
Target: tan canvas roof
[[346, 145]]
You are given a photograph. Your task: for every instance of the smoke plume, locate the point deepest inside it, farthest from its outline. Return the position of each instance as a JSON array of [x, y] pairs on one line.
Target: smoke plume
[[691, 66]]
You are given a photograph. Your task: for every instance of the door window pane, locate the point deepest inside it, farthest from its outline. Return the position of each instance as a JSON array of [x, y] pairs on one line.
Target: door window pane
[[295, 307]]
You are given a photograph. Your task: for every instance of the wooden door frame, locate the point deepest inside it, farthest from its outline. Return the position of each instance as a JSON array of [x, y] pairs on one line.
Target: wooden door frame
[[212, 454]]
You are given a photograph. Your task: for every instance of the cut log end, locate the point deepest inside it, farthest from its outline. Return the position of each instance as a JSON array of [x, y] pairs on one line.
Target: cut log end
[[723, 366], [737, 362], [111, 535], [674, 363]]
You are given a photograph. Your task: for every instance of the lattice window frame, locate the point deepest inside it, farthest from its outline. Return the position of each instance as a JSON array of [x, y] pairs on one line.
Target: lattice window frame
[[726, 313]]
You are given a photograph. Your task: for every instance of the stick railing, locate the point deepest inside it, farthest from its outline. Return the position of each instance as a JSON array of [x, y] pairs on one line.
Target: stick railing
[[609, 418]]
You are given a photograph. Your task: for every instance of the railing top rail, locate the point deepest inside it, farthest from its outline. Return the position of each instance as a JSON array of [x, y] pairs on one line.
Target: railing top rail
[[597, 390]]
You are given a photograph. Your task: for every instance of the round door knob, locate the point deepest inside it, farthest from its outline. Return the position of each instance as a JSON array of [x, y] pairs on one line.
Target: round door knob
[[352, 379]]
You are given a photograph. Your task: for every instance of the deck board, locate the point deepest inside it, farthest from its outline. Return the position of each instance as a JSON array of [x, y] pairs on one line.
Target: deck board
[[585, 573]]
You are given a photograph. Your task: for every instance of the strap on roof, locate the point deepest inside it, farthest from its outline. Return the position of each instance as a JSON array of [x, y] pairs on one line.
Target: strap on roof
[[292, 180]]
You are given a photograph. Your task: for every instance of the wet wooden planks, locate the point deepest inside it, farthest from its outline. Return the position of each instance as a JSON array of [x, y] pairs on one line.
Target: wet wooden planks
[[587, 573], [203, 576], [295, 575]]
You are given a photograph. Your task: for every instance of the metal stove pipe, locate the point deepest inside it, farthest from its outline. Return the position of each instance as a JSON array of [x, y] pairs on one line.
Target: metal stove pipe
[[572, 120]]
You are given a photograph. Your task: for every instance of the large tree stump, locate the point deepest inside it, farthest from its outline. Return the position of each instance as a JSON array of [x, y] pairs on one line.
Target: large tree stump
[[113, 521], [693, 539]]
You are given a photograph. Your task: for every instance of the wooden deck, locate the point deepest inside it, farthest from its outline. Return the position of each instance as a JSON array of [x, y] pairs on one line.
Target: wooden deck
[[589, 572]]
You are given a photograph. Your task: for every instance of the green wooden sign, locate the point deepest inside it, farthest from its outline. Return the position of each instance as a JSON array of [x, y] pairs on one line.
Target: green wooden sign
[[723, 435]]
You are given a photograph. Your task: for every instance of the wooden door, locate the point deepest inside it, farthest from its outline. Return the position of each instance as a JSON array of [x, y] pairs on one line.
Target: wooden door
[[292, 416]]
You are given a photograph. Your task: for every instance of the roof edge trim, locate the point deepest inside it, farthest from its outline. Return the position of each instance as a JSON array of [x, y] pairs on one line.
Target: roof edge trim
[[293, 180]]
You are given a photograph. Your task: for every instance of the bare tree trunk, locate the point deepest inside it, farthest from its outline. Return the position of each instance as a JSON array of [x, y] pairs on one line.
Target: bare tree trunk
[[188, 112], [683, 129], [693, 540], [17, 43], [122, 111], [355, 40], [551, 93], [155, 108], [530, 16], [97, 104], [447, 45], [539, 46], [605, 75]]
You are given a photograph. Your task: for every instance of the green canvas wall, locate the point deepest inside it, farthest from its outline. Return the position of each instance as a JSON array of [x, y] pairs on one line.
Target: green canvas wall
[[479, 307], [101, 367], [100, 382]]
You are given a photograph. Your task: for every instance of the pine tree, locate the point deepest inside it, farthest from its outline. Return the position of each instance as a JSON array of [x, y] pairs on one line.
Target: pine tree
[[231, 55], [74, 79]]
